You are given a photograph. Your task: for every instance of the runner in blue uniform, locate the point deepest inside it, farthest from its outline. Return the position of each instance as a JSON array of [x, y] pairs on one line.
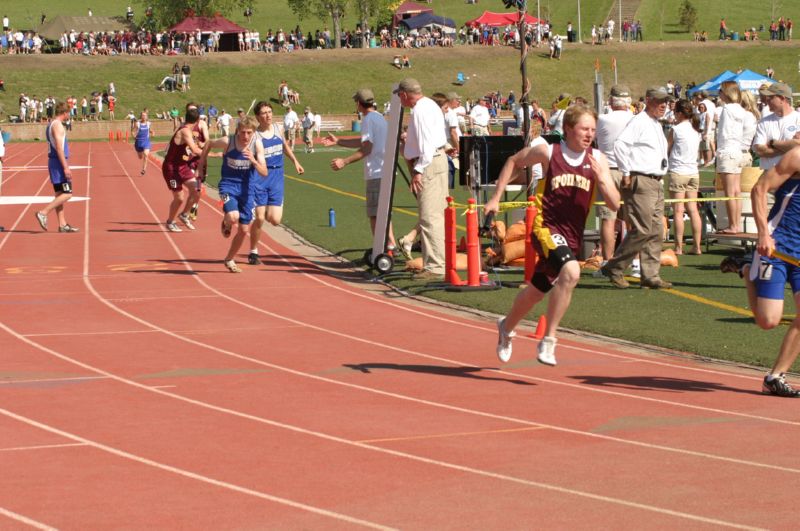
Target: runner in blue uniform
[[767, 276], [142, 140], [268, 193], [60, 173], [242, 163]]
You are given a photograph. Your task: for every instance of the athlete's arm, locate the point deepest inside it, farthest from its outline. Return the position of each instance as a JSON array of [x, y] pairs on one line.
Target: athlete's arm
[[528, 156], [185, 134], [258, 160], [58, 138], [604, 181], [220, 143], [290, 154], [769, 181]]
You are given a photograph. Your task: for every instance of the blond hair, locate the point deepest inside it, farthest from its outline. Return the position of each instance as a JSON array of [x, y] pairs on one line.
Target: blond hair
[[729, 91]]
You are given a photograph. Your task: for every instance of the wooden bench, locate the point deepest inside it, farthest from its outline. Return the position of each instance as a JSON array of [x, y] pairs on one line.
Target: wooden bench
[[332, 125]]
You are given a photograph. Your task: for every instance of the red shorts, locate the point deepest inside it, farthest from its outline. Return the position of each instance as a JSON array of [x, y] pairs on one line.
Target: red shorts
[[176, 176]]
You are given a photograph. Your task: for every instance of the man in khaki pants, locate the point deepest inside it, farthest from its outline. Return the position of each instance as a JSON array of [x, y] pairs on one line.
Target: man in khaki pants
[[425, 155]]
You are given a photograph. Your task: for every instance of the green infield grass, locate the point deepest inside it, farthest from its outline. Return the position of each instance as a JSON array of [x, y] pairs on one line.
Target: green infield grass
[[705, 314]]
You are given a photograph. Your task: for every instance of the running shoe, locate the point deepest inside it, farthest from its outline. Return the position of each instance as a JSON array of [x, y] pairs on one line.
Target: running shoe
[[504, 340], [173, 227], [547, 351], [778, 387], [186, 221], [733, 264], [68, 228], [253, 259], [193, 212], [636, 270], [231, 266], [42, 219], [142, 172]]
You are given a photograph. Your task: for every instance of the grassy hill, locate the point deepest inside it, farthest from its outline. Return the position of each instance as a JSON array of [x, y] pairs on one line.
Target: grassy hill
[[659, 17], [235, 79]]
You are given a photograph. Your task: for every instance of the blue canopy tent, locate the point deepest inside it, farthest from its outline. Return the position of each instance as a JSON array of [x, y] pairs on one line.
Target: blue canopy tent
[[713, 82], [425, 20], [750, 81]]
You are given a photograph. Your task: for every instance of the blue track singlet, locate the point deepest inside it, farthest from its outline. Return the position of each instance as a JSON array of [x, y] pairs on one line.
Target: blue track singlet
[[57, 175], [142, 140], [269, 191], [235, 185]]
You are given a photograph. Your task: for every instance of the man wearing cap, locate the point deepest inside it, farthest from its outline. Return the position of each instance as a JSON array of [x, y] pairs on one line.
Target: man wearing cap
[[424, 151], [453, 134], [641, 155], [370, 148], [777, 133], [290, 121], [308, 124], [609, 127]]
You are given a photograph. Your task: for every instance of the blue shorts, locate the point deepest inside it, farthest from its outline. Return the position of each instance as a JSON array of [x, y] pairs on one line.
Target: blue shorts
[[236, 197], [779, 273], [57, 175], [141, 146], [268, 191]]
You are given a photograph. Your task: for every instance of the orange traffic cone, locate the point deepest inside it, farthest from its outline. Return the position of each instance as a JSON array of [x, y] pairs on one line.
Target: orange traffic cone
[[541, 326]]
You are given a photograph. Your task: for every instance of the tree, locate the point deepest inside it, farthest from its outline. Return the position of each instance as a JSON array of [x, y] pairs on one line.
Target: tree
[[322, 9], [687, 14], [368, 10], [167, 13]]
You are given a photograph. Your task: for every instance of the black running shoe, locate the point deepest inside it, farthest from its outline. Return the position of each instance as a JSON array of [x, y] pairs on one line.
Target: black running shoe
[[733, 264], [779, 387], [253, 259]]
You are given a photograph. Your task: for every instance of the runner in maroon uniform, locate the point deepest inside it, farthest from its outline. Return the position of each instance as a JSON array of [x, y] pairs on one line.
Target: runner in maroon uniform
[[571, 169], [178, 172], [200, 135]]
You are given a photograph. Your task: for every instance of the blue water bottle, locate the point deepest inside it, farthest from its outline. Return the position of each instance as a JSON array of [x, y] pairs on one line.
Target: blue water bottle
[[332, 218]]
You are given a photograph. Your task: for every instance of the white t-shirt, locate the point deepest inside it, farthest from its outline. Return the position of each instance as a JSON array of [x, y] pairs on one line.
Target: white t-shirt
[[480, 115], [777, 128], [290, 120], [224, 119], [685, 144], [609, 127], [730, 128], [373, 130], [317, 122], [642, 147], [451, 120]]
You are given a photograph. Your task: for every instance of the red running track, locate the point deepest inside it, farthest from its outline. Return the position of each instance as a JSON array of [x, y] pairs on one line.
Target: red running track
[[142, 385]]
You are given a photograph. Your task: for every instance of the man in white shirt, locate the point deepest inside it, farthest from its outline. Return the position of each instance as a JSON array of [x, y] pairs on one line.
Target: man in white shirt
[[290, 121], [641, 154], [427, 163], [479, 117], [452, 131], [309, 120], [777, 133], [224, 123], [370, 147], [609, 127]]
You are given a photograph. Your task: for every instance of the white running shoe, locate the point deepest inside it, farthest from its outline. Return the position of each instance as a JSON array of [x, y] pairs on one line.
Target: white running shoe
[[186, 220], [504, 340], [547, 351], [173, 227]]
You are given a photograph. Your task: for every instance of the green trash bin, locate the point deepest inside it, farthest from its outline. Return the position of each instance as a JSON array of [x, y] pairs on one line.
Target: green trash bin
[[373, 43]]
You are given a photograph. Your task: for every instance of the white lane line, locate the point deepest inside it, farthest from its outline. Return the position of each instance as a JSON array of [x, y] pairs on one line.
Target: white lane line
[[347, 442], [41, 447], [192, 475], [25, 520], [51, 380]]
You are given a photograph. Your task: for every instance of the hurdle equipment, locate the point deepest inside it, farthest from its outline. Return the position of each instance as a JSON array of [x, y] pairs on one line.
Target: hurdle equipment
[[111, 136], [541, 326], [452, 280]]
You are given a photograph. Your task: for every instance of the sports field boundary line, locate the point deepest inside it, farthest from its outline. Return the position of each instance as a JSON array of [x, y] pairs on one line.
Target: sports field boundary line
[[25, 520]]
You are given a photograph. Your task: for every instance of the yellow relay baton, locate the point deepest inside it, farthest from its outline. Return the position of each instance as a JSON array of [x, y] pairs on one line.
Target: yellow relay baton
[[786, 258]]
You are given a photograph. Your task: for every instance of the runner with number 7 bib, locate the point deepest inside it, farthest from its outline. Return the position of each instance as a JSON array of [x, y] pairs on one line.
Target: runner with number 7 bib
[[178, 173]]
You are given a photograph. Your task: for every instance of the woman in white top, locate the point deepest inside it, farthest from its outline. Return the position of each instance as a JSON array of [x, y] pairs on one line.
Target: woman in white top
[[706, 121], [684, 178], [730, 151]]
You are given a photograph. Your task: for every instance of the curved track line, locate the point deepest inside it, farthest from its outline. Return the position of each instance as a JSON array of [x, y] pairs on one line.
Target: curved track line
[[191, 475], [332, 438], [25, 520], [705, 409]]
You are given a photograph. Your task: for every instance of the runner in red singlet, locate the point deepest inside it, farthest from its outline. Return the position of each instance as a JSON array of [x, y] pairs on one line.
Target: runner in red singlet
[[178, 172], [571, 171]]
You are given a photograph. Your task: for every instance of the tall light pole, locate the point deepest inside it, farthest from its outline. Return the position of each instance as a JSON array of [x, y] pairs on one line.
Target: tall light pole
[[580, 33]]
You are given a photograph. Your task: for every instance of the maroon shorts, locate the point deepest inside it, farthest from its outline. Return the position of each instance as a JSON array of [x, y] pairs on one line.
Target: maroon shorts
[[176, 176]]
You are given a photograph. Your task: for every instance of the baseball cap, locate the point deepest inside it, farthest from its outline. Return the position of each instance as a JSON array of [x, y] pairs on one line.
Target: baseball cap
[[658, 93], [452, 96], [307, 109], [239, 110], [777, 89], [364, 95], [409, 85], [620, 91]]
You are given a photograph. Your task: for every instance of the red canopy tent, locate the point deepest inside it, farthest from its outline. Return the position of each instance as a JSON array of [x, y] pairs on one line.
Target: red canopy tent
[[207, 25], [500, 19], [228, 41], [409, 9]]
